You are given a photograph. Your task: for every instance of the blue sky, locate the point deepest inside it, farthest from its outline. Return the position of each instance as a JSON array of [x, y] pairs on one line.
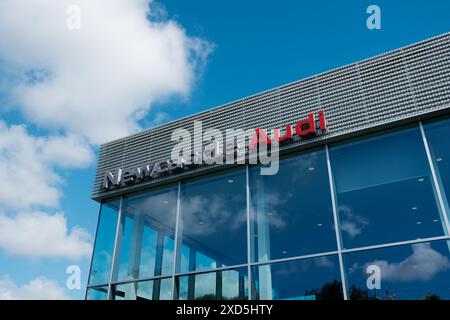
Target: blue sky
[[240, 48]]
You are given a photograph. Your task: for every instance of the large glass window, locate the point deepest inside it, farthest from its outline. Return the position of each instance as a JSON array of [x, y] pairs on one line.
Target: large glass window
[[305, 279], [104, 243], [158, 289], [438, 133], [148, 229], [213, 222], [412, 272], [384, 189], [292, 213], [218, 285]]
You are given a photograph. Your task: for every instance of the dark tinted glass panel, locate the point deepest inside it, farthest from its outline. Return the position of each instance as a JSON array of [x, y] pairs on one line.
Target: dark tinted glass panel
[[305, 279], [97, 293], [160, 289], [412, 272], [384, 189], [213, 222], [104, 243], [291, 211], [438, 136], [148, 229], [218, 285]]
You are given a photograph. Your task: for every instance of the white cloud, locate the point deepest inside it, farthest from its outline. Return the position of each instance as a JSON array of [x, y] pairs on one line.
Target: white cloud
[[98, 81], [65, 151], [27, 166], [423, 264], [38, 234], [37, 289]]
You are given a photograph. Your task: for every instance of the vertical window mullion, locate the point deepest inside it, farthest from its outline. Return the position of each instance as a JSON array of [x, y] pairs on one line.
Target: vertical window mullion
[[336, 224], [116, 245], [177, 248], [93, 250], [249, 236]]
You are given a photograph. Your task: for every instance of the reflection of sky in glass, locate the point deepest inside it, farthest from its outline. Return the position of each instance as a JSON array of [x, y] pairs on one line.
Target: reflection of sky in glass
[[408, 272], [98, 293], [104, 243], [306, 279], [160, 289], [126, 273], [183, 287], [384, 190], [204, 262], [232, 285], [292, 209], [213, 226], [205, 285], [133, 291], [168, 255], [165, 291], [184, 259], [231, 291], [438, 134], [148, 252], [148, 229]]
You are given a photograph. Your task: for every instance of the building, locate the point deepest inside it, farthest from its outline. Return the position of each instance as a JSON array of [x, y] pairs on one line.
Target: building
[[380, 172]]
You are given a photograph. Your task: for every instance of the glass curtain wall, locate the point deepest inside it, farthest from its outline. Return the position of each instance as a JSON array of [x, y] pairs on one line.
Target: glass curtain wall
[[363, 219], [145, 245]]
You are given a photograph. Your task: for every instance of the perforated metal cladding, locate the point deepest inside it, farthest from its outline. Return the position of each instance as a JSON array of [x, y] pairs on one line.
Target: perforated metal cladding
[[404, 83]]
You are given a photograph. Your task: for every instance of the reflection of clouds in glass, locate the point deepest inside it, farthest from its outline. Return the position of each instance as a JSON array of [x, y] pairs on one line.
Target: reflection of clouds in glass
[[183, 288], [147, 265], [353, 268], [351, 223], [423, 264], [277, 220], [161, 207], [205, 284], [159, 210], [230, 284], [300, 266], [305, 163], [165, 292], [324, 262], [204, 215], [145, 289], [277, 198], [148, 257], [168, 256], [273, 199], [202, 261], [101, 268]]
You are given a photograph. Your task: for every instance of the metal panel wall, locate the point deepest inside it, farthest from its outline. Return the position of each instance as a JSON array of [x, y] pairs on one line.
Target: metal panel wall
[[401, 84]]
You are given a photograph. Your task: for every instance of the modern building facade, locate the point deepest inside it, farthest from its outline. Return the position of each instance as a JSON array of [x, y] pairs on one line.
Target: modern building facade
[[360, 211]]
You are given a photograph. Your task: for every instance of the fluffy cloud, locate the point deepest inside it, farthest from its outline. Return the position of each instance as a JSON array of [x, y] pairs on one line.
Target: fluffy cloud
[[27, 165], [92, 85], [100, 80], [38, 289], [39, 234]]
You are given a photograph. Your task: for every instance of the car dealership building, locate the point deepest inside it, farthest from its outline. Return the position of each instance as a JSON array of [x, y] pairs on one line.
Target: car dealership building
[[359, 208]]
